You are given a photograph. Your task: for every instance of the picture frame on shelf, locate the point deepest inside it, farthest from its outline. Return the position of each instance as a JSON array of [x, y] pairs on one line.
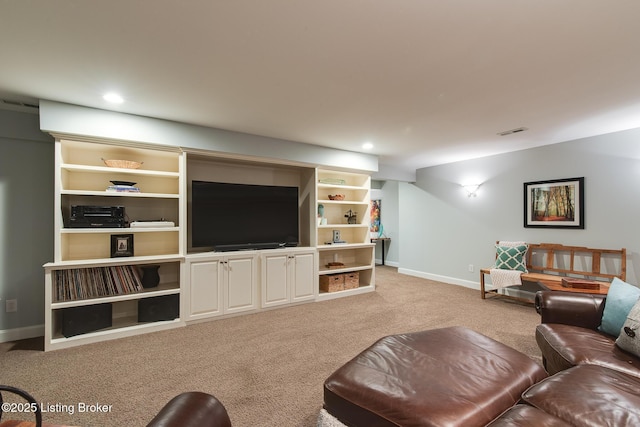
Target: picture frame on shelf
[[557, 203], [121, 245]]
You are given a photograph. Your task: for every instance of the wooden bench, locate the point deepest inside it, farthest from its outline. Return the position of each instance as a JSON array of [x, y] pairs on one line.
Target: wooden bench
[[549, 263]]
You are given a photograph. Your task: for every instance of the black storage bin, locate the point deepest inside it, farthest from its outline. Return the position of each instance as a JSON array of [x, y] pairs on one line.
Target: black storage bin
[[154, 309], [88, 318]]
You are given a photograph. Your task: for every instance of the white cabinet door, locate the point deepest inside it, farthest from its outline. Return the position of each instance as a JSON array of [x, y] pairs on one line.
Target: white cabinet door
[[275, 286], [240, 283], [288, 277], [205, 278], [303, 275]]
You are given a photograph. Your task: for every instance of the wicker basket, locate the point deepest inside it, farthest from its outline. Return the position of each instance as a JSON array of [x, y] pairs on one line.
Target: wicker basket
[[123, 164], [332, 282], [351, 280], [336, 197]]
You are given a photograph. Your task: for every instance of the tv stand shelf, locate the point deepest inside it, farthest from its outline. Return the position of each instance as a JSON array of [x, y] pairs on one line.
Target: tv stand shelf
[[75, 263], [330, 246], [122, 327], [111, 171], [124, 230], [114, 194], [165, 289], [344, 269]]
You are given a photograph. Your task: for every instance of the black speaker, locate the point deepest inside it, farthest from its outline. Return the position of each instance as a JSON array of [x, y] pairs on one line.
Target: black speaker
[[166, 307], [88, 318]]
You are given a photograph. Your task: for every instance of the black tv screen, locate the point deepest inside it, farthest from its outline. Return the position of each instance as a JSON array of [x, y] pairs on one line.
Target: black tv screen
[[240, 216]]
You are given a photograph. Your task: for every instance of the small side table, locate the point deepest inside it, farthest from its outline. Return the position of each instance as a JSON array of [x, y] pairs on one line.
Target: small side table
[[381, 239]]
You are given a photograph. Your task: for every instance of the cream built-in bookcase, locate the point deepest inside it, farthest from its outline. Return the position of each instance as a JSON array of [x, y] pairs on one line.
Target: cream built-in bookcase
[[356, 252], [81, 178], [208, 284]]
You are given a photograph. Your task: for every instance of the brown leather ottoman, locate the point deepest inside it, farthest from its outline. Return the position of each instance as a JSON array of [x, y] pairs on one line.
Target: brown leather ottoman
[[450, 376], [589, 395]]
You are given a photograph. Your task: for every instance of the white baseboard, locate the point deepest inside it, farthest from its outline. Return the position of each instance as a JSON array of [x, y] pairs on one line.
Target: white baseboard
[[444, 279], [466, 283], [387, 262], [16, 334]]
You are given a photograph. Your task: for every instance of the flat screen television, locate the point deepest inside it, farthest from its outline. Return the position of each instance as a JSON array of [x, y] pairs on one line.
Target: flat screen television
[[228, 216]]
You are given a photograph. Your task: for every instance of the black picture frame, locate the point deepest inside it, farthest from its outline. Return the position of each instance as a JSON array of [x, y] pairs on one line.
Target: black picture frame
[[556, 203], [121, 245]]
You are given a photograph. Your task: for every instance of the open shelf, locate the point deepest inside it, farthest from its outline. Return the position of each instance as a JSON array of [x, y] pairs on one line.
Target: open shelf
[[160, 290], [357, 253], [82, 179], [122, 327], [112, 171], [124, 230], [104, 193], [93, 246], [113, 261]]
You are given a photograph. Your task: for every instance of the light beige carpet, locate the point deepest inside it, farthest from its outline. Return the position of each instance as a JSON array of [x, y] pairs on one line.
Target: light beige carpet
[[267, 368]]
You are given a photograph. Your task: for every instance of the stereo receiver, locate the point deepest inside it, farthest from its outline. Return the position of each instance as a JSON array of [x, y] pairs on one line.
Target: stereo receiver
[[97, 217]]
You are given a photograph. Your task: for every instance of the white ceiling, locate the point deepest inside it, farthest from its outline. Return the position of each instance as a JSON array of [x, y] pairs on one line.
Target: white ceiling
[[426, 81]]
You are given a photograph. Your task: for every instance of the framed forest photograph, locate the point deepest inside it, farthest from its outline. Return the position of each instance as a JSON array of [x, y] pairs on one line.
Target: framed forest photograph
[[557, 203]]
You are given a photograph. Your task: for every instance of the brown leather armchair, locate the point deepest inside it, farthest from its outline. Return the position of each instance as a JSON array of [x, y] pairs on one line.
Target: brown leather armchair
[[192, 409], [26, 396]]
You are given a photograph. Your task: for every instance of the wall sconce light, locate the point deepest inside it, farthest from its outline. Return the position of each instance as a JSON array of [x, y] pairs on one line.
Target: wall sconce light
[[471, 189]]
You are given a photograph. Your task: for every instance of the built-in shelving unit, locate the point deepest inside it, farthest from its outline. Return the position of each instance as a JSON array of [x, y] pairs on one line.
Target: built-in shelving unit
[[81, 254], [103, 297], [343, 200]]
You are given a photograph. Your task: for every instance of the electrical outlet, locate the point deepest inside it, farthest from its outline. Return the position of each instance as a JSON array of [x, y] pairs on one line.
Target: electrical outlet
[[470, 268], [11, 305]]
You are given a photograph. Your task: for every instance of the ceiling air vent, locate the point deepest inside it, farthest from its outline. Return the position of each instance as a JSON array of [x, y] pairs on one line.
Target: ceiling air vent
[[509, 132], [26, 107]]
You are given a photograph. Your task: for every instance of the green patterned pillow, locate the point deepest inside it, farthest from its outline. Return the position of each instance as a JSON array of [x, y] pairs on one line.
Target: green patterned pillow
[[511, 258]]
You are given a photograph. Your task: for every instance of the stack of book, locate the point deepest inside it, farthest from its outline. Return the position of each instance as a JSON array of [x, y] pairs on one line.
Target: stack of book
[[122, 189]]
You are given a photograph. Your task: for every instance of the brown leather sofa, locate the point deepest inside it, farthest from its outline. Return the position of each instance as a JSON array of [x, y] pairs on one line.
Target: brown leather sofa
[[568, 334], [591, 382]]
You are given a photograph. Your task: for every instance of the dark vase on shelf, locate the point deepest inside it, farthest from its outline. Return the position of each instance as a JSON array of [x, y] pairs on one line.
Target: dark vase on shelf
[[150, 276]]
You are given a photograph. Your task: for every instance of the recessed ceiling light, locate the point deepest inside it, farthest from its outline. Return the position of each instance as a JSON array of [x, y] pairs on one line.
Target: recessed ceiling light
[[367, 146], [509, 132], [113, 97]]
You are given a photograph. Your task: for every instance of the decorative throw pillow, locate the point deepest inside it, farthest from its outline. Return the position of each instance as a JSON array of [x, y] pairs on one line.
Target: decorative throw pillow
[[620, 299], [511, 257], [629, 338]]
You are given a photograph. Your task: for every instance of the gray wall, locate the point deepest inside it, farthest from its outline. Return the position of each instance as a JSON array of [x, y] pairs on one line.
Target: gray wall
[[444, 230], [436, 230], [67, 119], [26, 220]]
